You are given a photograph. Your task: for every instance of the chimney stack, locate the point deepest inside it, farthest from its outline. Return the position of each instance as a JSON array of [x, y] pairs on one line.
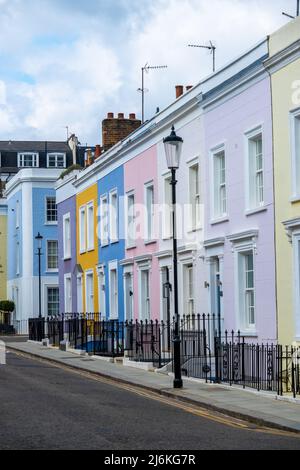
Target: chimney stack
[[116, 129], [179, 91], [98, 151]]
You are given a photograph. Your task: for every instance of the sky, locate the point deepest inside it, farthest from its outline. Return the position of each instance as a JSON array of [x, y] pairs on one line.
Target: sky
[[70, 62]]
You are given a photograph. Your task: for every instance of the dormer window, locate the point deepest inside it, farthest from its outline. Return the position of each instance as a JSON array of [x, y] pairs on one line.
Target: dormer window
[[56, 160], [28, 160]]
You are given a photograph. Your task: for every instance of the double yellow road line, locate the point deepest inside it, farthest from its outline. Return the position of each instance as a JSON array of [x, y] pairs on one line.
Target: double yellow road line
[[151, 395]]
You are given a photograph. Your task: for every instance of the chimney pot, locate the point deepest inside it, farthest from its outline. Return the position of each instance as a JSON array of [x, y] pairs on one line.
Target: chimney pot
[[121, 116], [110, 115], [179, 91], [98, 151], [132, 116]]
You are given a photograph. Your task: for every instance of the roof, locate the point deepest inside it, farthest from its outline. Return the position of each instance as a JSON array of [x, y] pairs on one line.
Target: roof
[[33, 146]]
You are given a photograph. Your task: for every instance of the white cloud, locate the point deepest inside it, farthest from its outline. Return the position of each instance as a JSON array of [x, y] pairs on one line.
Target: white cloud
[[70, 66], [2, 92]]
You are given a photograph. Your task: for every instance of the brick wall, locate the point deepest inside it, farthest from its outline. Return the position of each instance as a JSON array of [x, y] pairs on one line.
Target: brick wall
[[116, 129]]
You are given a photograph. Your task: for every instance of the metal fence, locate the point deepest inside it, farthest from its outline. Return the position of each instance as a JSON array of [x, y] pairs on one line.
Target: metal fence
[[36, 329], [149, 341], [207, 352]]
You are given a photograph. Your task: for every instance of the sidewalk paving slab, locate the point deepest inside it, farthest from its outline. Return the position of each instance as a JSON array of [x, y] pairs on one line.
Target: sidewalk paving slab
[[261, 409]]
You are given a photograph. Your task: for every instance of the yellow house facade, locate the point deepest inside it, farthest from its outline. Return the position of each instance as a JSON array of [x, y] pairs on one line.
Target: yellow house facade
[[3, 250], [284, 67], [87, 249]]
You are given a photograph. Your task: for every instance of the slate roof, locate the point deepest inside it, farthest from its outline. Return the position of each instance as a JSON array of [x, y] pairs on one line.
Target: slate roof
[[33, 146]]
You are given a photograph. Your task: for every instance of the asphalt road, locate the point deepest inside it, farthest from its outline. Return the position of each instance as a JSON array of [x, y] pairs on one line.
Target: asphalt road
[[45, 407]]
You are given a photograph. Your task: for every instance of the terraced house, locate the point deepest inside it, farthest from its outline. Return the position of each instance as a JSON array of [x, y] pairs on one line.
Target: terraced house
[[283, 65], [32, 211], [237, 200]]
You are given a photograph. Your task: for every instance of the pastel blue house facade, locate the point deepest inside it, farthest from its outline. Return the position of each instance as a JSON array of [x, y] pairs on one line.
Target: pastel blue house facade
[[112, 251], [32, 209]]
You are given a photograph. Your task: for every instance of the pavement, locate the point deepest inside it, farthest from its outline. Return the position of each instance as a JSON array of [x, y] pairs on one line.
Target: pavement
[[260, 408]]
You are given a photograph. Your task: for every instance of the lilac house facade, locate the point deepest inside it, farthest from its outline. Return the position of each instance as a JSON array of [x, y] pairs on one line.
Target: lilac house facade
[[66, 215], [239, 248]]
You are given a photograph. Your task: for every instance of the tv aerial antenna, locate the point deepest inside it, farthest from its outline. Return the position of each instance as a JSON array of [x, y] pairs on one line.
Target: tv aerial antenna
[[211, 47], [297, 12], [144, 90]]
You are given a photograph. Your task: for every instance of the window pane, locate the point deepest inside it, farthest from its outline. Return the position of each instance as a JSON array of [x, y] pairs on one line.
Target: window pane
[[53, 301], [51, 209], [52, 254]]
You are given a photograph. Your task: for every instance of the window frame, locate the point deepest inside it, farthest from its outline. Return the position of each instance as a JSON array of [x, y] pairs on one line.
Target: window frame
[[194, 199], [149, 234], [241, 251], [82, 229], [294, 118], [50, 222], [90, 242], [104, 220], [113, 226], [67, 253], [132, 244], [47, 290], [35, 159], [218, 215], [252, 200], [56, 154], [51, 270]]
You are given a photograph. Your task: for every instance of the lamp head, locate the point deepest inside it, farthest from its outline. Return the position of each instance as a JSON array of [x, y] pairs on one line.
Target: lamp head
[[173, 148]]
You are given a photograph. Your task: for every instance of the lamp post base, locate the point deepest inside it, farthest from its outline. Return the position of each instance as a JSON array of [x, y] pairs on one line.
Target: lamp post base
[[177, 383], [177, 363]]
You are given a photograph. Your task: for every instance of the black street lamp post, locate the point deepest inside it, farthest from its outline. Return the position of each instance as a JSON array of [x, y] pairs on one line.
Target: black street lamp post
[[39, 239], [173, 148]]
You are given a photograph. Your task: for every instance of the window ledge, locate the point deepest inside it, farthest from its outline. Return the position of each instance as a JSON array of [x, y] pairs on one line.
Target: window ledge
[[82, 252], [104, 244], [195, 230], [51, 223], [150, 242], [249, 334], [90, 249], [220, 220], [257, 210], [130, 247], [67, 258], [52, 271], [113, 242], [295, 199]]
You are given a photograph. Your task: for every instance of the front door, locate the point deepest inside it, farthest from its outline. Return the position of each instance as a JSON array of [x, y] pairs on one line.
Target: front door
[[217, 293], [166, 307], [128, 297]]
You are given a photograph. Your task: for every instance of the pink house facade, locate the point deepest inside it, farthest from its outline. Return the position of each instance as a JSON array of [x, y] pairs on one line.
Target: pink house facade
[[140, 268]]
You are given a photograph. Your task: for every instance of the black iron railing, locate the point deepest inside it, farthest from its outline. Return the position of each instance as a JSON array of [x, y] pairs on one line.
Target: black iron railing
[[149, 341], [207, 352], [36, 329]]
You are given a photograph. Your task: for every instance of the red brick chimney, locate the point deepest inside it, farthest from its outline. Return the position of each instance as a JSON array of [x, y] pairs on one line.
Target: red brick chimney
[[98, 151], [116, 129], [179, 91]]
